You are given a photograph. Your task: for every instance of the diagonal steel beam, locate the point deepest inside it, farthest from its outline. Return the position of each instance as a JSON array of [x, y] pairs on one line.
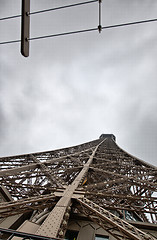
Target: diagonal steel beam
[[52, 226], [48, 172], [114, 221]]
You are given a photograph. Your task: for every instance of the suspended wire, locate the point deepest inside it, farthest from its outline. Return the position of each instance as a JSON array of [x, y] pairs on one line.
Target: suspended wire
[[8, 42], [63, 34], [10, 17], [84, 30], [130, 23], [61, 7], [50, 9], [92, 29]]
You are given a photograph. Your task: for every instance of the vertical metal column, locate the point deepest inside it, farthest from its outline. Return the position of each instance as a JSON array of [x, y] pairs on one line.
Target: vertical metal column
[[25, 23]]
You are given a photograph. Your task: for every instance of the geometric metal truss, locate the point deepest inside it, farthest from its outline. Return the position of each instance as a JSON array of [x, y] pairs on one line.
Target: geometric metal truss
[[96, 178]]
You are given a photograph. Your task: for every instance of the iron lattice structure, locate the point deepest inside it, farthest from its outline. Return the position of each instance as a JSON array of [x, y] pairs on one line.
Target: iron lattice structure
[[97, 179]]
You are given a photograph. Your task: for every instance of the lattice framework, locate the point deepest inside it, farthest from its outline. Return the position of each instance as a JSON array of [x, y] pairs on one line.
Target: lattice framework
[[97, 172]]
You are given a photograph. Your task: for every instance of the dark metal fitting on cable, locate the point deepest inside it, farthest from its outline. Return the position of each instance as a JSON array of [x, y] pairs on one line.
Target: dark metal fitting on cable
[[99, 28]]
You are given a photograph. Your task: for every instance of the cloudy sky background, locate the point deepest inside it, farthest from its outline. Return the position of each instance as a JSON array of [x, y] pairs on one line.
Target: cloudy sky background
[[72, 89]]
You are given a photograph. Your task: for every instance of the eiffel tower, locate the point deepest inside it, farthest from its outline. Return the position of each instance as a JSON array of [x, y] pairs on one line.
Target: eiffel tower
[[93, 191]]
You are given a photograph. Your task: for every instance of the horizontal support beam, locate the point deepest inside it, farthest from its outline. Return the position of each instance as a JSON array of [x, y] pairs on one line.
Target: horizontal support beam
[[24, 235]]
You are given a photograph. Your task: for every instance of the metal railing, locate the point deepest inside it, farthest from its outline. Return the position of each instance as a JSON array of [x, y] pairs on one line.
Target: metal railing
[[9, 233]]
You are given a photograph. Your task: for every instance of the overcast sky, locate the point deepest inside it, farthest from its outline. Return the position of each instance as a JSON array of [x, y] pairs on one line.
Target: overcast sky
[[72, 89]]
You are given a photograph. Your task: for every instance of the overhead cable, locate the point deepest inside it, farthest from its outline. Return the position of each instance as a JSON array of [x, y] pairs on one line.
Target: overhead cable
[[61, 7], [50, 9], [63, 34], [84, 30], [92, 29], [8, 42], [130, 23], [10, 17]]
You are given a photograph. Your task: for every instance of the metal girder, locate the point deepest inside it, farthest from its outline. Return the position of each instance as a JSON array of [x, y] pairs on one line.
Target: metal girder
[[115, 223], [53, 226], [48, 173], [106, 183], [23, 235], [26, 205], [129, 199]]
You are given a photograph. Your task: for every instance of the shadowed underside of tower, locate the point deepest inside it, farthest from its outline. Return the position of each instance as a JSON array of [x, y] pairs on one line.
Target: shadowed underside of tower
[[93, 191]]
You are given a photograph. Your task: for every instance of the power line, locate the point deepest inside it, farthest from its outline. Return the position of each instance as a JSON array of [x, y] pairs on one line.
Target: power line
[[61, 7], [84, 30], [8, 42], [50, 9], [93, 29], [130, 23], [63, 34], [52, 35], [10, 17]]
